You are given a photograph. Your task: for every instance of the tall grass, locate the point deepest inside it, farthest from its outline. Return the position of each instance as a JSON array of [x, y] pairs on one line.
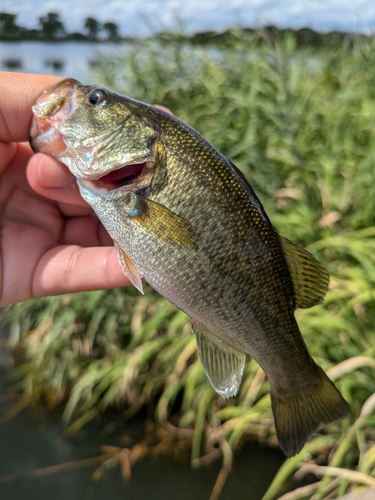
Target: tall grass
[[300, 123]]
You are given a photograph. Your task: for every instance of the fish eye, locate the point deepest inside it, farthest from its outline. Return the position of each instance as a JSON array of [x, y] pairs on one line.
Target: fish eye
[[97, 97]]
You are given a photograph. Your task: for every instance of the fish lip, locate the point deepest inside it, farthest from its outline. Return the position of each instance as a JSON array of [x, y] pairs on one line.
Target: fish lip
[[52, 100], [47, 113]]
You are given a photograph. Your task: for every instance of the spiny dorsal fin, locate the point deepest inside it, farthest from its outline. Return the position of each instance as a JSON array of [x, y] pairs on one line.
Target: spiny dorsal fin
[[310, 279], [129, 268], [223, 364], [161, 222]]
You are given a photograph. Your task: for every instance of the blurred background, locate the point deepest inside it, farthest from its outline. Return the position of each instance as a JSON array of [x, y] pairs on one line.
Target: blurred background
[[102, 393]]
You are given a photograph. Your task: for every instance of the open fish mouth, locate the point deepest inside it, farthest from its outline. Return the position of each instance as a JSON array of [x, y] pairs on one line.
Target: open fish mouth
[[126, 176], [121, 177]]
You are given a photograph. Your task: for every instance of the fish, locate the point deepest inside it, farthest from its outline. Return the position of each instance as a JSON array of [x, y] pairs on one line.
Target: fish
[[183, 218]]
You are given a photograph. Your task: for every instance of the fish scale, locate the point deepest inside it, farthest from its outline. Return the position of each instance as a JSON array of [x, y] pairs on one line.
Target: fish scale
[[191, 225]]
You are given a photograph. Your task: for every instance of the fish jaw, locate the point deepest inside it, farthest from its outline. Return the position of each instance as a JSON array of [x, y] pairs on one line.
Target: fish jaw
[[52, 108]]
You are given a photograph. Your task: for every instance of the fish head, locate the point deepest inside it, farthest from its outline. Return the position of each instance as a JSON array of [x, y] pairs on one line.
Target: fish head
[[104, 138]]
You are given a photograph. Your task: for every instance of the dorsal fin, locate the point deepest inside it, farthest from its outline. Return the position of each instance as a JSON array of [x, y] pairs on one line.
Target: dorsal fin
[[223, 364], [310, 279]]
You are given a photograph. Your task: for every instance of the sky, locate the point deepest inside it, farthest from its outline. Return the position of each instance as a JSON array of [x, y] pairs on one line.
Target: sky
[[140, 17]]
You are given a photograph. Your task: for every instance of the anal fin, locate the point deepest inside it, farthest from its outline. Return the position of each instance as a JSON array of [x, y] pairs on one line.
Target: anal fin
[[129, 268], [223, 364]]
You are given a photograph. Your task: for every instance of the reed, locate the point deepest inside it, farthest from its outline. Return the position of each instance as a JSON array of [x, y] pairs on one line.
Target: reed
[[299, 122]]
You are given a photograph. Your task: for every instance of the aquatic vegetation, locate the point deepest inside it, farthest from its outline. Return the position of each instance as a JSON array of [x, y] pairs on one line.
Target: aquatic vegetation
[[300, 124]]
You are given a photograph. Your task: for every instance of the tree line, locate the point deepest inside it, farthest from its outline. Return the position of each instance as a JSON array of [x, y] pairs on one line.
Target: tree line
[[51, 28]]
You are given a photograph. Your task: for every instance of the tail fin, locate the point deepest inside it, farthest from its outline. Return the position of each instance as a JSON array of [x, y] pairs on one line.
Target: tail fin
[[298, 415]]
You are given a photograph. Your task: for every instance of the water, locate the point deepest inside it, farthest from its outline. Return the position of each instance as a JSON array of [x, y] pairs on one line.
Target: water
[[29, 442], [71, 59]]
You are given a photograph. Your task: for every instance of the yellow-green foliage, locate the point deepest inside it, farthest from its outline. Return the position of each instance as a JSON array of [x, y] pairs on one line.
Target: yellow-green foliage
[[301, 125]]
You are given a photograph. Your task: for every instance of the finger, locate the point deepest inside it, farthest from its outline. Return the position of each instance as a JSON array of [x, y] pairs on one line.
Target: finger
[[51, 179], [85, 231], [14, 160], [21, 91], [68, 269], [69, 210]]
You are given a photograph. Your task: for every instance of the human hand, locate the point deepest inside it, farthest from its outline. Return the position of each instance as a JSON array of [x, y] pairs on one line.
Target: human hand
[[51, 241]]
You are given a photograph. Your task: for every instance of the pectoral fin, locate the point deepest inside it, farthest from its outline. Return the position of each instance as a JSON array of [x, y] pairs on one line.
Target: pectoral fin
[[223, 364], [310, 279], [161, 222], [129, 268]]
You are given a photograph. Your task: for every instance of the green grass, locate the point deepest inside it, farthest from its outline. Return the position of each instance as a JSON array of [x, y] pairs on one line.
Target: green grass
[[300, 123]]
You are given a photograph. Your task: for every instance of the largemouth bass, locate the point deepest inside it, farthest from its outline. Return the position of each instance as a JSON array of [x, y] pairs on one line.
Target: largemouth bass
[[185, 219]]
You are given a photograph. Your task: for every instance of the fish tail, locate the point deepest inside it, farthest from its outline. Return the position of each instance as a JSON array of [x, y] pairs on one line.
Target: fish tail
[[299, 415]]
